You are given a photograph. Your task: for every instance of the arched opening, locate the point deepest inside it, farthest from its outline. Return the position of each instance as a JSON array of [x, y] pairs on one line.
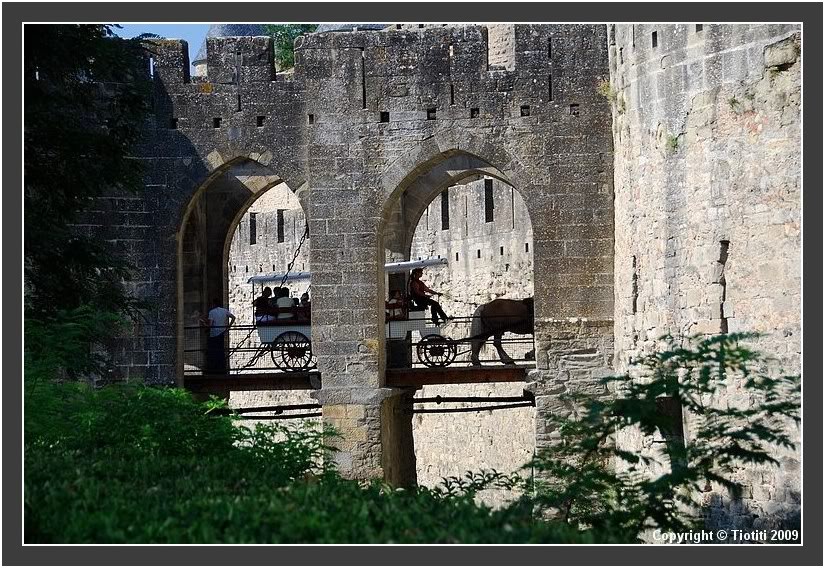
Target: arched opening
[[461, 208], [209, 227]]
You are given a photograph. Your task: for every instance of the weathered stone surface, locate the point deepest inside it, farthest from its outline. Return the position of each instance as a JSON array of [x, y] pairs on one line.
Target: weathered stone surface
[[707, 182], [371, 126]]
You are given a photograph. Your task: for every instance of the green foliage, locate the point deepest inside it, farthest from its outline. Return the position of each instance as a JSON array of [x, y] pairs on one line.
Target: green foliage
[[85, 101], [65, 345], [128, 464], [284, 38], [142, 465], [735, 105], [587, 481], [672, 143]]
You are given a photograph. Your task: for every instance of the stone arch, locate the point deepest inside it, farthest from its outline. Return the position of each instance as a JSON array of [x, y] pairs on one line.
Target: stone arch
[[411, 182], [409, 186], [204, 235], [435, 171], [445, 144]]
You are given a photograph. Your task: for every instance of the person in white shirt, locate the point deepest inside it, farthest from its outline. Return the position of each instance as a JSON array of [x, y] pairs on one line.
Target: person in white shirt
[[286, 306], [220, 319]]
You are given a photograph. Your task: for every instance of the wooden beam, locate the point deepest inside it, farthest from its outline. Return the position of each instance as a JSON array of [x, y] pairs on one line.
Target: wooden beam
[[455, 375], [222, 385]]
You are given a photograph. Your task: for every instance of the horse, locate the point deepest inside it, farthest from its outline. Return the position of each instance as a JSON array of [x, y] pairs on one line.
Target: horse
[[496, 318]]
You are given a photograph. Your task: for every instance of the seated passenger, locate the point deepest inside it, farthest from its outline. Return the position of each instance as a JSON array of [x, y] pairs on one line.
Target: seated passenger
[[286, 307], [263, 308], [304, 310], [395, 306]]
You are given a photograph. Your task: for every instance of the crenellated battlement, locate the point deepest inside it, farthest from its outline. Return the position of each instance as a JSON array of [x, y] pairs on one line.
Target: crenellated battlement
[[542, 72]]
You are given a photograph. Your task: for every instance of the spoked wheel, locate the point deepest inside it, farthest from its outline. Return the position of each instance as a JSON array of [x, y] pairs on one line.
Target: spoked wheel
[[436, 351], [292, 351]]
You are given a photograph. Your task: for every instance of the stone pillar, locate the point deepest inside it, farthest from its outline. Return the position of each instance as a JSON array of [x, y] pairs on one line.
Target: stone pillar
[[576, 356], [374, 433]]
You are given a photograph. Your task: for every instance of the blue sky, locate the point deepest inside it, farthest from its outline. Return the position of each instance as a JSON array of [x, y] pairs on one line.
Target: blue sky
[[192, 33]]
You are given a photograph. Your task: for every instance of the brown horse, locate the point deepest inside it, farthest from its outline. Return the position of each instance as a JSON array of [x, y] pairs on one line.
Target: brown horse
[[496, 318]]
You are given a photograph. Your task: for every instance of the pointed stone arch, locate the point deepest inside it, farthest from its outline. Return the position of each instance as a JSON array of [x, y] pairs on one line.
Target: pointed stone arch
[[206, 225]]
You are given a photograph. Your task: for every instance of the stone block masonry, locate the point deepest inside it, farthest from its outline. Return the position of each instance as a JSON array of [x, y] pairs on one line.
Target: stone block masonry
[[702, 234], [706, 128], [366, 131]]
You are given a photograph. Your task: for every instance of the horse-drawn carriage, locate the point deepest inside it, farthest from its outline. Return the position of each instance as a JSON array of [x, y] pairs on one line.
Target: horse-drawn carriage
[[408, 330], [287, 337], [439, 345]]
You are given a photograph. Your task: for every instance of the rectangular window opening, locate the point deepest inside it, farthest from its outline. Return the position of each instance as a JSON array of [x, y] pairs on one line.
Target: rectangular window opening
[[501, 251], [456, 257], [654, 39], [253, 228], [431, 114], [260, 121], [478, 253], [574, 110], [452, 94], [216, 123], [525, 110], [385, 116], [238, 108], [526, 247], [488, 201], [699, 27], [474, 113], [311, 119], [363, 80], [280, 225], [445, 209], [151, 67], [635, 286], [723, 260], [549, 48], [550, 87]]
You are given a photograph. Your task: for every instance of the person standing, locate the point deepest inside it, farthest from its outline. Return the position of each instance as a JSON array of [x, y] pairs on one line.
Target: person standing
[[220, 320]]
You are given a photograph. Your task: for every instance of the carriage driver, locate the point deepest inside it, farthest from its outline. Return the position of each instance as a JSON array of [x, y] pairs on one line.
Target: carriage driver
[[419, 294]]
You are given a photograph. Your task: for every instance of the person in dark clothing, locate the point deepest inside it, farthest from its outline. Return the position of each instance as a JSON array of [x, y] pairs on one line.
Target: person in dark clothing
[[419, 292], [263, 307]]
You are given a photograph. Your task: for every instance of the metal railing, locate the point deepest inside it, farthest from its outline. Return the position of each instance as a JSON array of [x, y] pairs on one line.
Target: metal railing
[[417, 343], [249, 349], [286, 346]]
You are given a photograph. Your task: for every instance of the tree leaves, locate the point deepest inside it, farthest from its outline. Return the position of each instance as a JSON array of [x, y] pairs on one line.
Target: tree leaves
[[589, 480]]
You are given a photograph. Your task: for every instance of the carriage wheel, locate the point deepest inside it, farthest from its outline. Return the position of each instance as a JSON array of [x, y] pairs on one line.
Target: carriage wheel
[[436, 351], [293, 351]]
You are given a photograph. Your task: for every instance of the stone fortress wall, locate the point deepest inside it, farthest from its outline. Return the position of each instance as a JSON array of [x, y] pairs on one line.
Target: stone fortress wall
[[372, 126], [494, 260], [706, 126]]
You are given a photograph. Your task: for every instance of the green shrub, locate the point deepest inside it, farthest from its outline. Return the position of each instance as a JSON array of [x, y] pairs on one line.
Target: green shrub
[[284, 36], [143, 465], [132, 464], [578, 480]]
